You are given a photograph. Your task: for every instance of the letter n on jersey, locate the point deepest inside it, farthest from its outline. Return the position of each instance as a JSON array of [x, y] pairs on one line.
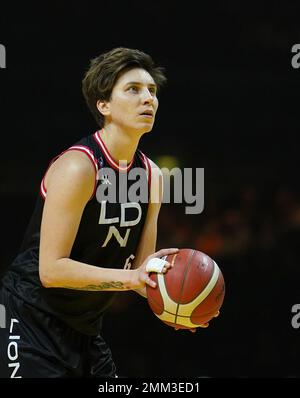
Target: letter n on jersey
[[121, 221]]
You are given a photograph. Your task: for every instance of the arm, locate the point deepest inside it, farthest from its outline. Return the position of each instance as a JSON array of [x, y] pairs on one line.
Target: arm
[[70, 184], [147, 243]]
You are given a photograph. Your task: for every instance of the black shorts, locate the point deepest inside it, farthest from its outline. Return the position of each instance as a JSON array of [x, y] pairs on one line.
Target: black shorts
[[34, 344]]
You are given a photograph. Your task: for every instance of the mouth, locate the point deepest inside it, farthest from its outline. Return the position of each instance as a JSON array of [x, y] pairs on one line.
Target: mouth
[[150, 117], [147, 113]]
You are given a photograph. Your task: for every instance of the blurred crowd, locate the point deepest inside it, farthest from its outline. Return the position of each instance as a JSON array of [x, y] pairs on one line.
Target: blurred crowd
[[249, 220]]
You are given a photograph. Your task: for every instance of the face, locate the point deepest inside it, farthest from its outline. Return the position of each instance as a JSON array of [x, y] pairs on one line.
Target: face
[[133, 102]]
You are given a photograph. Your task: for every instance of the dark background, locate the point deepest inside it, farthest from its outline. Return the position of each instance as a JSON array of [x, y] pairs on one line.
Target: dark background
[[230, 106]]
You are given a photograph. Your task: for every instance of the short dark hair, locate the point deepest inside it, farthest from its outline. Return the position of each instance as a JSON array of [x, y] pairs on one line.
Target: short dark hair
[[104, 70]]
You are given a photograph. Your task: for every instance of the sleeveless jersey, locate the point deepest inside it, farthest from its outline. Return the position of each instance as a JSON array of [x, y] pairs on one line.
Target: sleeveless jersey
[[108, 236]]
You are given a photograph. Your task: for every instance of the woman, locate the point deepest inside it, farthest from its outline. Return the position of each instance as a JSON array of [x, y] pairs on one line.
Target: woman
[[80, 248]]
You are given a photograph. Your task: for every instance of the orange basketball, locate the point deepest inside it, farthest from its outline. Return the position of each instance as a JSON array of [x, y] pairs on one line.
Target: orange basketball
[[190, 293]]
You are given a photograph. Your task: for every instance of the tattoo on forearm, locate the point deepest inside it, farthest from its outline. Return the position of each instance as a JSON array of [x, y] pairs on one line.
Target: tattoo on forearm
[[101, 286]]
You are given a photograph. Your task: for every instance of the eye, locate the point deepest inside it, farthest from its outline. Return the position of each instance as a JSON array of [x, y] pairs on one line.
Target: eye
[[133, 89], [152, 90]]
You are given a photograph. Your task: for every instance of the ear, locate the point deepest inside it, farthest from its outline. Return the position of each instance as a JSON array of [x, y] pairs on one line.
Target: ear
[[103, 107]]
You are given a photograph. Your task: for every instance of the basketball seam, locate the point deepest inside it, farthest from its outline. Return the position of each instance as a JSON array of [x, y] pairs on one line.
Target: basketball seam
[[204, 287], [154, 302], [166, 287], [171, 313], [182, 285]]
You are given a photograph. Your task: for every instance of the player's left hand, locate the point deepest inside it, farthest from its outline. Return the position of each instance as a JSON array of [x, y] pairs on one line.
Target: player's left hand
[[204, 325]]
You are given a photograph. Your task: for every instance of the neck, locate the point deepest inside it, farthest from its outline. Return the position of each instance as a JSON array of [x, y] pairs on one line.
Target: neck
[[120, 144]]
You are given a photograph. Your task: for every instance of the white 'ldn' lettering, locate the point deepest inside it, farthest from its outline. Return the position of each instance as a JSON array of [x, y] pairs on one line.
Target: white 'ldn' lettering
[[115, 220], [113, 231]]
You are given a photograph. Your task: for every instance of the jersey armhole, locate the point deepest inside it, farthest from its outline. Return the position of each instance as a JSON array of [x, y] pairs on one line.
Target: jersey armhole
[[148, 169], [81, 148]]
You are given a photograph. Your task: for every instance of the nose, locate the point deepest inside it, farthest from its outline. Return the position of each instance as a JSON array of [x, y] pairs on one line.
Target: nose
[[147, 96]]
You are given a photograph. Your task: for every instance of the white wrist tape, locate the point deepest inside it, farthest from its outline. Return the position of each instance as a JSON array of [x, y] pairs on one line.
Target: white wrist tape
[[155, 265]]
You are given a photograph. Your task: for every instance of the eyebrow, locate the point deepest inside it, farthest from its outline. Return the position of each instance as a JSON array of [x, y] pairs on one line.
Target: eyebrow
[[140, 84]]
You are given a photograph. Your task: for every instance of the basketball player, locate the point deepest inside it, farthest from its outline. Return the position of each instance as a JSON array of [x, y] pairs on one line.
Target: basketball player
[[79, 250]]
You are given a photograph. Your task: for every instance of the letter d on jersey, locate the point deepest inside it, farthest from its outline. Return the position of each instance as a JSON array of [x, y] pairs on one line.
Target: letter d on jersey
[[2, 317], [123, 222]]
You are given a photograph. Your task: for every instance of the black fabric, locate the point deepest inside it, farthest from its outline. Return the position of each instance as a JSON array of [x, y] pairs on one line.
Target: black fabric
[[81, 310], [37, 345]]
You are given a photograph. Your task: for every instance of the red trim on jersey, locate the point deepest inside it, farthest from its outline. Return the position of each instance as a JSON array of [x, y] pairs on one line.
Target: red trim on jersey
[[43, 190], [81, 148], [107, 155], [147, 167]]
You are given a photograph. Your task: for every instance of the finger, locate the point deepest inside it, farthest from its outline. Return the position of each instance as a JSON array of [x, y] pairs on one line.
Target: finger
[[217, 314], [191, 330], [164, 252], [204, 325], [166, 267], [149, 281], [156, 264]]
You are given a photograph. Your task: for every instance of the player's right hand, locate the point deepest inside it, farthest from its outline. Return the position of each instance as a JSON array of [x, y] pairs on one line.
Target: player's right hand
[[204, 325], [141, 277]]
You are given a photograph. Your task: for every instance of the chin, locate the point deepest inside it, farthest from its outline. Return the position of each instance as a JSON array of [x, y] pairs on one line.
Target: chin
[[148, 127], [145, 129]]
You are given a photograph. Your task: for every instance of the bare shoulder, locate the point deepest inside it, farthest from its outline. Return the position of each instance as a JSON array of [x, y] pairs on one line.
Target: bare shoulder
[[72, 166]]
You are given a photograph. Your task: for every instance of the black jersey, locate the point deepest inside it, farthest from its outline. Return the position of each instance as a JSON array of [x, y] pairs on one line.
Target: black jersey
[[108, 236]]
